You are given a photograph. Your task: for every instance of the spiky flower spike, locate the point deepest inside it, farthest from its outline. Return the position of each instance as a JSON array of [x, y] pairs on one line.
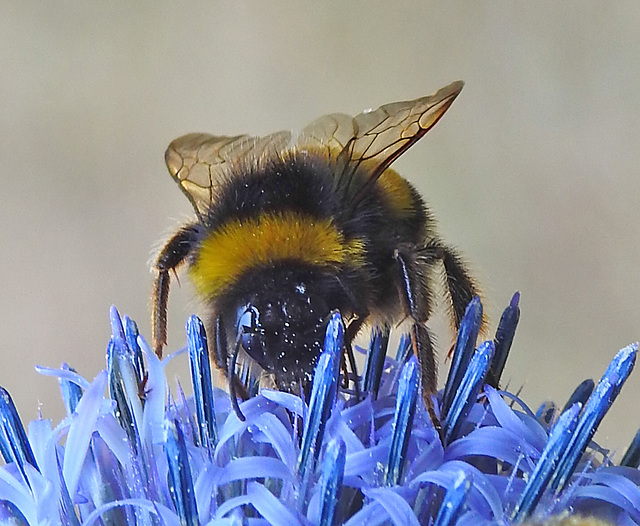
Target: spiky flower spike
[[143, 456]]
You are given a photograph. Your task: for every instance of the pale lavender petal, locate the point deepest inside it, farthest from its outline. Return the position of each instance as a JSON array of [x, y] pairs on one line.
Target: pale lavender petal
[[13, 491], [270, 507], [82, 425], [509, 420], [606, 485], [152, 429], [428, 459], [359, 414], [337, 427], [366, 463], [43, 442], [607, 495], [483, 493], [509, 488], [290, 402], [205, 491], [371, 514], [230, 504], [252, 468], [493, 442], [471, 518], [168, 516], [279, 437], [65, 374], [396, 507], [524, 407], [233, 427], [115, 437]]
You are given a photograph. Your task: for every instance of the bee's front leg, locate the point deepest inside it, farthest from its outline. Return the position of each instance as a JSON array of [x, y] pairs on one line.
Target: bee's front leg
[[172, 255]]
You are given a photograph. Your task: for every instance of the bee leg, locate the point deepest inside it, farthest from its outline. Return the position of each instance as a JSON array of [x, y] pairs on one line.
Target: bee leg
[[416, 302], [221, 359], [220, 339], [170, 258], [351, 332], [460, 284], [345, 374], [231, 375]]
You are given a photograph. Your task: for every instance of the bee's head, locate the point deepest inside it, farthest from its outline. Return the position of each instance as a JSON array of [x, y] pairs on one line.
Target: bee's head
[[284, 335], [280, 321]]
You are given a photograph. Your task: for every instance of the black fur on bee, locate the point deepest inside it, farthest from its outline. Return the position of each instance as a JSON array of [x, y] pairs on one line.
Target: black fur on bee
[[288, 231]]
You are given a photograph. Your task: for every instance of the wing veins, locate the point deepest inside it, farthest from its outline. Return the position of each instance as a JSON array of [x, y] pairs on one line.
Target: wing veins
[[199, 162]]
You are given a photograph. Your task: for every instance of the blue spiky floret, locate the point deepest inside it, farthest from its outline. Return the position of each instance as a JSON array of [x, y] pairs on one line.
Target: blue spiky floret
[[141, 456]]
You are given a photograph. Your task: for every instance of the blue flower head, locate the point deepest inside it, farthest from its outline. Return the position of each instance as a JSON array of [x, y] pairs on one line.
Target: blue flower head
[[132, 452]]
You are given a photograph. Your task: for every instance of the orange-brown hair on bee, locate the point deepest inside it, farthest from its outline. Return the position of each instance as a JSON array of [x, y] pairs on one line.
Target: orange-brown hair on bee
[[289, 230]]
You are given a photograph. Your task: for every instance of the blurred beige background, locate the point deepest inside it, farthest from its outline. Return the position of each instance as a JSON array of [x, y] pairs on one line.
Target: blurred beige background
[[534, 172]]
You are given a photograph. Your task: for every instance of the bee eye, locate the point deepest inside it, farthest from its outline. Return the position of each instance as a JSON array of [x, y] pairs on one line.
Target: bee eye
[[249, 320], [250, 331]]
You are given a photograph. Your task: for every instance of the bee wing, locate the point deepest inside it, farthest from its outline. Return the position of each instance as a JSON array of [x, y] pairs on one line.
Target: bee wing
[[330, 132], [376, 138], [198, 161]]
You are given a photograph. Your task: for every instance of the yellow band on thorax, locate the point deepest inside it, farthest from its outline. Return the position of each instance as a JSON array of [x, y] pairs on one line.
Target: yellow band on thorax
[[239, 245], [398, 192]]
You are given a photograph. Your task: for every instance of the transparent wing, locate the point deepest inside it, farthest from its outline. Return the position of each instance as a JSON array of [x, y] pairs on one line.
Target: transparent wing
[[330, 133], [376, 138], [198, 161]]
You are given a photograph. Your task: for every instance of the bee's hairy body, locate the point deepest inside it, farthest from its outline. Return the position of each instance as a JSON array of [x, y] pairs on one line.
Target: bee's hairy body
[[285, 237], [288, 213]]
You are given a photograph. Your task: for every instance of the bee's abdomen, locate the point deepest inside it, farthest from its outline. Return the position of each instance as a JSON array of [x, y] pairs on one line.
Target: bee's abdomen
[[290, 210], [280, 210], [267, 239]]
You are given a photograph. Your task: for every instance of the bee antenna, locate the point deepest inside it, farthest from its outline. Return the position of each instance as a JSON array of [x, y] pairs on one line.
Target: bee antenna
[[231, 375]]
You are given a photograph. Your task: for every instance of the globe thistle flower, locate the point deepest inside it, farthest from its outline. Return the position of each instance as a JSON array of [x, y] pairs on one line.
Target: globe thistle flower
[[132, 452]]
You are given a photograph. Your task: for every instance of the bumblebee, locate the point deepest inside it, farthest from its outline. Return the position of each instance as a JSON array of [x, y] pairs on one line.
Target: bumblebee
[[289, 230]]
